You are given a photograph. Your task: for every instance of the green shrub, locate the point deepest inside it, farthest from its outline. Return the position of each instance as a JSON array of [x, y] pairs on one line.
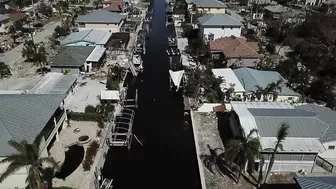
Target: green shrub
[[90, 109], [80, 116], [91, 152]]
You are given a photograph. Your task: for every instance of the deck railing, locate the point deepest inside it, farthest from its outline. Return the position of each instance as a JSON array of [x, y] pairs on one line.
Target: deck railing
[[326, 165]]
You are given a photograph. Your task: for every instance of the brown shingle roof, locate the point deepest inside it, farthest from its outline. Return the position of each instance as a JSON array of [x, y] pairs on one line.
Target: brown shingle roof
[[235, 47], [115, 5], [16, 16]]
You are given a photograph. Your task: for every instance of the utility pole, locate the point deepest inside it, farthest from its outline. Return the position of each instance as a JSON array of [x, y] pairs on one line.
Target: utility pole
[[34, 11]]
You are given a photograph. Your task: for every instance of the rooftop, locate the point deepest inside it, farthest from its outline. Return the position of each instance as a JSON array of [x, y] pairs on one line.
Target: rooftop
[[23, 117], [114, 5], [16, 16], [72, 56], [277, 8], [234, 47], [101, 16], [91, 36], [326, 182], [219, 20], [207, 3], [96, 54], [54, 83], [326, 115], [229, 79], [252, 78]]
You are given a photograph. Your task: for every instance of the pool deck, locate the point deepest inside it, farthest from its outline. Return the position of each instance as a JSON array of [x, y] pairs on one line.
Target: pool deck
[[67, 136]]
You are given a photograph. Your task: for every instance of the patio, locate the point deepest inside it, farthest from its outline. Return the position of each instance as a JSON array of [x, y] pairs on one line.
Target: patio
[[68, 137]]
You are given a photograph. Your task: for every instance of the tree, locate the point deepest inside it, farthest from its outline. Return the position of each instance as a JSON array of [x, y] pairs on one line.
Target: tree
[[27, 156], [243, 152], [262, 92], [281, 135], [35, 53], [63, 30], [45, 10], [97, 3], [19, 4], [62, 7], [4, 70], [12, 32], [274, 88], [54, 41]]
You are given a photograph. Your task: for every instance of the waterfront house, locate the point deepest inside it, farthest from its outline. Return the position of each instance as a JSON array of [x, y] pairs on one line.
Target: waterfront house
[[207, 6], [215, 26], [101, 20], [115, 5], [24, 117]]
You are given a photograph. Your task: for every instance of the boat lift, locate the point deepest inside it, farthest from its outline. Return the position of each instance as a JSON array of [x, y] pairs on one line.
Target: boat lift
[[122, 129], [130, 103], [107, 184]]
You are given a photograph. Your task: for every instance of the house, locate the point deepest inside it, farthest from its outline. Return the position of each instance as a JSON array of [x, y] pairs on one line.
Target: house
[[101, 20], [4, 23], [230, 81], [207, 6], [115, 5], [316, 182], [301, 147], [284, 13], [56, 83], [329, 138], [24, 117], [251, 78], [215, 26], [76, 59], [90, 37], [17, 18], [237, 51]]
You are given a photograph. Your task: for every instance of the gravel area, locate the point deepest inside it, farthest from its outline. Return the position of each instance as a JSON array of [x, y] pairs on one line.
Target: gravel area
[[209, 140]]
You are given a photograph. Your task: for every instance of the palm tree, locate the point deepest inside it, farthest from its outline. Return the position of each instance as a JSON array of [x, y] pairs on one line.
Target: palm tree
[[243, 152], [281, 135], [261, 92], [27, 155], [274, 88], [35, 53]]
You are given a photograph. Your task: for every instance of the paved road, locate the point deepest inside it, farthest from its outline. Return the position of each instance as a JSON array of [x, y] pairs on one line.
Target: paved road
[[14, 55]]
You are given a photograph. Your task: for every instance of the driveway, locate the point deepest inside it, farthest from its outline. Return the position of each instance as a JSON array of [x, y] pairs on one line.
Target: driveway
[[10, 57]]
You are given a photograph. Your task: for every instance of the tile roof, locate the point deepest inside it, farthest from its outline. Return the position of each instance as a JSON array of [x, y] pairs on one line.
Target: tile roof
[[277, 8], [302, 123], [23, 117], [72, 56], [114, 5], [219, 20], [326, 115], [234, 47], [208, 4], [101, 16], [16, 16], [251, 77], [91, 36], [327, 182]]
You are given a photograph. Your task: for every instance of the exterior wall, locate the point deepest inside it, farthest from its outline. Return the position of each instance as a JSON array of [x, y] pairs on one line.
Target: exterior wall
[[290, 166], [220, 32], [104, 27], [17, 179], [62, 70], [212, 10], [329, 154]]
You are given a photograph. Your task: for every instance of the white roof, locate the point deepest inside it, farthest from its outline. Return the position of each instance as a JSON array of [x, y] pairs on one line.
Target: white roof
[[207, 107], [248, 123], [229, 78], [176, 77], [96, 54], [294, 144], [109, 95]]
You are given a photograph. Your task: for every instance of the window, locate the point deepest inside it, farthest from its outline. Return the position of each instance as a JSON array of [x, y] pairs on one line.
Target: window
[[107, 24], [209, 9], [331, 147], [290, 98], [231, 28], [223, 27], [109, 30], [218, 8]]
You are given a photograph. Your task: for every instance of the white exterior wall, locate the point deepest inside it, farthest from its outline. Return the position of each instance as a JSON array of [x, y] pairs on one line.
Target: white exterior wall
[[290, 166], [18, 179], [219, 32], [88, 64], [329, 154], [62, 70], [103, 27]]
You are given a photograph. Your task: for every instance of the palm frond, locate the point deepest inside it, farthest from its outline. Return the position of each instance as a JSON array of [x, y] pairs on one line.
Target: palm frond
[[11, 158], [282, 132], [49, 160], [18, 146], [252, 131], [12, 168], [37, 142]]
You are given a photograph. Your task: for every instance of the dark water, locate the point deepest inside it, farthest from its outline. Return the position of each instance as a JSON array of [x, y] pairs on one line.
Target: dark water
[[168, 157], [73, 158]]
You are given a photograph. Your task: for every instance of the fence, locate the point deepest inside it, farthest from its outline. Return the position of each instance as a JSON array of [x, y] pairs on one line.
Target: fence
[[326, 165]]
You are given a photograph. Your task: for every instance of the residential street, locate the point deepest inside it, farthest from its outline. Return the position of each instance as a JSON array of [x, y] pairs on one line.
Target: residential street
[[14, 55]]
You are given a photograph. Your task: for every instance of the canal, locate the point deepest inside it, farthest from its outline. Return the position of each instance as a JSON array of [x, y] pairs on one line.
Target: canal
[[167, 158]]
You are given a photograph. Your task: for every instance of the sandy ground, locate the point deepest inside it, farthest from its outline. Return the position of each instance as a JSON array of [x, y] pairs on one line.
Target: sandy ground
[[24, 83], [209, 140], [67, 136], [85, 95]]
